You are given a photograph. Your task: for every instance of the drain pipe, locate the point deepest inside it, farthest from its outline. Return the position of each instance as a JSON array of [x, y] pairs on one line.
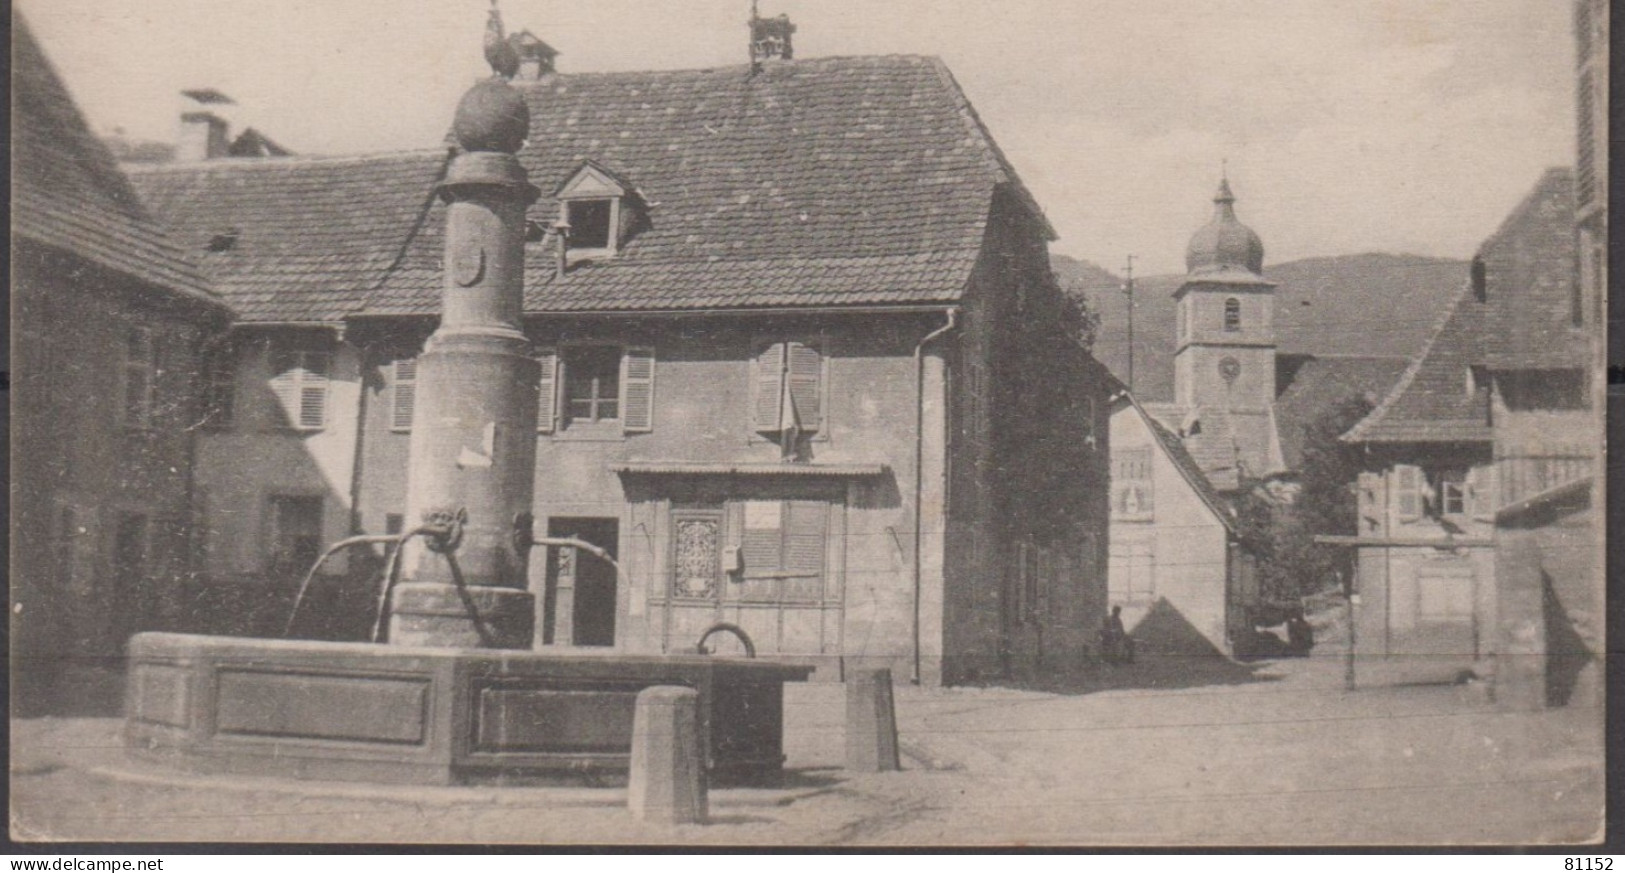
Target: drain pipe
[[919, 472]]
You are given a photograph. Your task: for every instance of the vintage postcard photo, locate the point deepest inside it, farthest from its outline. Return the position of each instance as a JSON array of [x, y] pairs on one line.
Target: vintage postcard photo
[[774, 422]]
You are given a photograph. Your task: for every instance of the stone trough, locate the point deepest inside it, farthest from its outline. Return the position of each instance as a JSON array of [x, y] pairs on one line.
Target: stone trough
[[400, 714]]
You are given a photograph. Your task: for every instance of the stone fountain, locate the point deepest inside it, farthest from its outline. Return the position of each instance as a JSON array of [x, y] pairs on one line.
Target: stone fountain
[[455, 693]]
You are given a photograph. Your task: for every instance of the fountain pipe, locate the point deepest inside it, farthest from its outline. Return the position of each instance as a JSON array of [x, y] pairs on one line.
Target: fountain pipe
[[310, 576]]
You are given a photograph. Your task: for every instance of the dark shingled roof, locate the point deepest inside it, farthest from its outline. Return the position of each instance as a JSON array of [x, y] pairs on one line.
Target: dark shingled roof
[[834, 181], [309, 238], [1530, 279], [1319, 386], [67, 190], [1523, 323]]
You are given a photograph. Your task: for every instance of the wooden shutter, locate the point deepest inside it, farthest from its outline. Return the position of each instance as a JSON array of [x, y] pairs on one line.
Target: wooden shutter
[[762, 536], [767, 382], [1372, 500], [547, 409], [1481, 492], [404, 400], [804, 544], [638, 390], [313, 390], [806, 388], [1408, 482]]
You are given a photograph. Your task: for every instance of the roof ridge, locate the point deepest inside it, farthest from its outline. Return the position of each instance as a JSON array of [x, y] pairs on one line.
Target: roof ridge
[[1375, 416], [148, 169]]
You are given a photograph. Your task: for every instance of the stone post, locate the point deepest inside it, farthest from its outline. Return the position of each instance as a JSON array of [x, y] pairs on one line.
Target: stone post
[[667, 783], [473, 449], [871, 721]]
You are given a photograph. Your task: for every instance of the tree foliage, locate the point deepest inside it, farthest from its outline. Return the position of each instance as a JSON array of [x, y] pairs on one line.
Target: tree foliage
[[1282, 531]]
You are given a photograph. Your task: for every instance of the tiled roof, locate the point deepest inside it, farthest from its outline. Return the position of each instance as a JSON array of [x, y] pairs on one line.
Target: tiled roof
[[300, 239], [1432, 402], [1187, 466], [1530, 278], [1523, 322], [835, 181], [1209, 441], [1321, 384], [68, 192], [1324, 307]]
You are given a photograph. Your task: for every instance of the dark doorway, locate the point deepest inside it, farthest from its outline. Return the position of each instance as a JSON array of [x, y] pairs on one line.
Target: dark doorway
[[583, 585]]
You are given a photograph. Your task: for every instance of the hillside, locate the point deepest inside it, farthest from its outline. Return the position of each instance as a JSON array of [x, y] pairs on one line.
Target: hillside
[[1366, 305]]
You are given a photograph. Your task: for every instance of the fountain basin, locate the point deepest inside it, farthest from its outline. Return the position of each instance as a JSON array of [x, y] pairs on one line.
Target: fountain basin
[[397, 714]]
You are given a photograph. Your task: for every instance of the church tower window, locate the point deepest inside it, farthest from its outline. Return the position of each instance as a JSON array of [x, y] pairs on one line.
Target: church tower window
[[1232, 314]]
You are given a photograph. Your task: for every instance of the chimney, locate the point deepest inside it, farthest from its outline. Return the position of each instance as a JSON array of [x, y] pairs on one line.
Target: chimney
[[535, 57], [203, 133], [770, 37]]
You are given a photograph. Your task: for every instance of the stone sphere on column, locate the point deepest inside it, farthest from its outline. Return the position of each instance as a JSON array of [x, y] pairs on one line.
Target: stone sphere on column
[[492, 117]]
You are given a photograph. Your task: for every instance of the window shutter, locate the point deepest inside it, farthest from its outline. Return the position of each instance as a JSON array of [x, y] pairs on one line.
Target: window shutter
[[313, 391], [547, 409], [762, 536], [1408, 492], [1371, 502], [405, 396], [804, 536], [1481, 492], [769, 382], [638, 390], [806, 390]]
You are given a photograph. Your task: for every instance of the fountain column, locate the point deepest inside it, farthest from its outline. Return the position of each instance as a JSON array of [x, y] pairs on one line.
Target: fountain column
[[473, 449]]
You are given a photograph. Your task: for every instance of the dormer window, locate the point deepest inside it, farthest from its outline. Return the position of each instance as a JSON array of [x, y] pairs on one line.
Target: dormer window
[[599, 209], [589, 222]]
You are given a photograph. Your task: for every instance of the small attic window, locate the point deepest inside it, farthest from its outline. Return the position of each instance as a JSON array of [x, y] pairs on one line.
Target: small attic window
[[599, 208], [589, 222]]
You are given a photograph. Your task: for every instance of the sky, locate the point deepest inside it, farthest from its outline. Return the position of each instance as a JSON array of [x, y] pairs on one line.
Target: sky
[[1405, 126]]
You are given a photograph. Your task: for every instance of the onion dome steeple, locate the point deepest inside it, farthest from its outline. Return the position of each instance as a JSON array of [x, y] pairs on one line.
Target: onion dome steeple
[[1224, 244]]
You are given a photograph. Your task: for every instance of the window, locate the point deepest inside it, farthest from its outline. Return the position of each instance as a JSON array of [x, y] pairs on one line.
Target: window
[[394, 523], [296, 533], [1451, 493], [782, 550], [140, 370], [1478, 277], [789, 390], [403, 396], [1131, 483], [299, 381], [1232, 314], [1408, 483], [589, 223], [219, 388], [592, 384]]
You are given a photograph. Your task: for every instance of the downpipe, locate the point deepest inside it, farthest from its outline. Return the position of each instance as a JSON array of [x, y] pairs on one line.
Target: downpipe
[[919, 473]]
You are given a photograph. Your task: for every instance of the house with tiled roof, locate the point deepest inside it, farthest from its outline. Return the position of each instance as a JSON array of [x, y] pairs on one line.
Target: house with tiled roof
[[1494, 413], [799, 311], [1164, 505], [110, 314]]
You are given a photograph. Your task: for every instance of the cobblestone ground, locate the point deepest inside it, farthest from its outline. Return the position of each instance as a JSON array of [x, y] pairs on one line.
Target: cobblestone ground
[[1164, 752]]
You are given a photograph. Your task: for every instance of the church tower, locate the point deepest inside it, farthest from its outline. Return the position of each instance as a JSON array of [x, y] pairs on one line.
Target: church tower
[[1224, 363]]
